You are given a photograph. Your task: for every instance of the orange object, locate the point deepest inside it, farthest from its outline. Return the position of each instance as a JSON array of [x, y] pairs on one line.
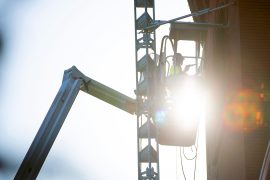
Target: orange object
[[244, 111]]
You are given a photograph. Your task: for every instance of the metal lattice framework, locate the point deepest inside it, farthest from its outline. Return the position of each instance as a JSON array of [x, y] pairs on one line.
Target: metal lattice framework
[[146, 70], [148, 150]]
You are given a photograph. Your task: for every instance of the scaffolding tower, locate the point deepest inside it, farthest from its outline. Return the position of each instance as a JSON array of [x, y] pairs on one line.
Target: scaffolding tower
[[148, 149]]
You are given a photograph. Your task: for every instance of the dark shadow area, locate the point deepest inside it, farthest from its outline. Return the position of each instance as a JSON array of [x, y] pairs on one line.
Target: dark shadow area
[[6, 165], [1, 46]]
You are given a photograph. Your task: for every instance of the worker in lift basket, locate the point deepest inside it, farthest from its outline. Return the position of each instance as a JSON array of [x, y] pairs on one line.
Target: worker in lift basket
[[177, 63]]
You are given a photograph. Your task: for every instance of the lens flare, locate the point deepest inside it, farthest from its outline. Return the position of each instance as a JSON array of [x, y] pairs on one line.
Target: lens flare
[[244, 111], [178, 117], [188, 104]]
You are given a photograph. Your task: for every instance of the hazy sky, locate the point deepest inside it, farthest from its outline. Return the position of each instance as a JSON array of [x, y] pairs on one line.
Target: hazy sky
[[42, 39]]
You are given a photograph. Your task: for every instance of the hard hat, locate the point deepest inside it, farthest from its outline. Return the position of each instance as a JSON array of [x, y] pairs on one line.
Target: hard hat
[[178, 58]]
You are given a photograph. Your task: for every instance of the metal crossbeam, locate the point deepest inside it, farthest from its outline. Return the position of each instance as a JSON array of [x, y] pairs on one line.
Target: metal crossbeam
[[73, 82]]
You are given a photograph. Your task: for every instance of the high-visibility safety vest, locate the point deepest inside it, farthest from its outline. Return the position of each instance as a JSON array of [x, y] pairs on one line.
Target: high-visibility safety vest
[[174, 70]]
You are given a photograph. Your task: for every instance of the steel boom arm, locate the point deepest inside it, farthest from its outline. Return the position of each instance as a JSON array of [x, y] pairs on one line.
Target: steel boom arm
[[73, 82]]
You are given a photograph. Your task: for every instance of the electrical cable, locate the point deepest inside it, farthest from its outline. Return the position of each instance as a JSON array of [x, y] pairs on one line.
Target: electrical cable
[[194, 175], [193, 158], [197, 144], [182, 163], [192, 151]]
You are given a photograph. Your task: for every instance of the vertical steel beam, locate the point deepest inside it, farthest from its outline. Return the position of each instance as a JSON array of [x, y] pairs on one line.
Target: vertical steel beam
[[148, 158]]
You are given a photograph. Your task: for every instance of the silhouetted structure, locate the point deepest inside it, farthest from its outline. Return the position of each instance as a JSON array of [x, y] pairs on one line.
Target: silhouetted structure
[[237, 62]]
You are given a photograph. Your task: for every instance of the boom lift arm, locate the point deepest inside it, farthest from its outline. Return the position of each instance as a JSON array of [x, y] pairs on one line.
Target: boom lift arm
[[73, 82]]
